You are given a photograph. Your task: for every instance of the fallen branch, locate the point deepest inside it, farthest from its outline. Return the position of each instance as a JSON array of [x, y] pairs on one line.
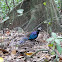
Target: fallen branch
[[39, 51]]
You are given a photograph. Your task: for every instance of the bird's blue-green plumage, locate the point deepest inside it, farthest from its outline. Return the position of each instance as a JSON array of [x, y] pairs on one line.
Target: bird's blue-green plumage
[[33, 35]]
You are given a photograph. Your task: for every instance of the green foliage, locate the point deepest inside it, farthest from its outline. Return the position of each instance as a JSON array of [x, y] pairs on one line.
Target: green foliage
[[58, 3], [59, 48], [50, 45], [54, 38], [4, 8], [6, 18], [52, 53], [49, 23], [54, 43], [44, 3]]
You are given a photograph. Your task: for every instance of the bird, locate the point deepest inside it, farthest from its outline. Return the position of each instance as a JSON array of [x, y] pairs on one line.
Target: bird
[[33, 35], [30, 36]]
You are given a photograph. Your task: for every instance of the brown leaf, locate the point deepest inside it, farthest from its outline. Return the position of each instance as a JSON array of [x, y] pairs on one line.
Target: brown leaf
[[60, 59], [4, 51], [13, 52]]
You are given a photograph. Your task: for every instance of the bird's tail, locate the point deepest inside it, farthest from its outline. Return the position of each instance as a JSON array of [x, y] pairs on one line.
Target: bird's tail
[[23, 40]]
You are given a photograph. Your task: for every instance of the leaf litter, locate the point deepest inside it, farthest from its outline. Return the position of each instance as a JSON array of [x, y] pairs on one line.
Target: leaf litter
[[30, 51]]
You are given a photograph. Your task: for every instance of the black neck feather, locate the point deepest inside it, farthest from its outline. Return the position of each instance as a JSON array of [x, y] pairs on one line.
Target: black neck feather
[[38, 32]]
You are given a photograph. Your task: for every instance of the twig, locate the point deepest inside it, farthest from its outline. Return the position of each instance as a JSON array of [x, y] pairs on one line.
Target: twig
[[7, 5], [13, 3], [38, 51]]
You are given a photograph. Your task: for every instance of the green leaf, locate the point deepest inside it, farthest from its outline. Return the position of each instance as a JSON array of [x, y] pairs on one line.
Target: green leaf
[[52, 53], [53, 47], [59, 1], [53, 35], [44, 3], [57, 41], [52, 42], [58, 7], [49, 39], [59, 48], [20, 11], [49, 23], [50, 45], [17, 0], [59, 37], [4, 19]]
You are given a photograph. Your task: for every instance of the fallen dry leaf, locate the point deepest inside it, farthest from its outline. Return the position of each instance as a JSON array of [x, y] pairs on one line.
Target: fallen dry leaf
[[13, 52], [4, 51]]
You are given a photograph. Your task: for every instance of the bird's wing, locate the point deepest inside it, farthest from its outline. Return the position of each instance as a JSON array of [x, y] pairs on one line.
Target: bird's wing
[[33, 35], [28, 34]]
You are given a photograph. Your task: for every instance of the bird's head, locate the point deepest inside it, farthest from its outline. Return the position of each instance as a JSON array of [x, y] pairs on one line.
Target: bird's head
[[39, 29]]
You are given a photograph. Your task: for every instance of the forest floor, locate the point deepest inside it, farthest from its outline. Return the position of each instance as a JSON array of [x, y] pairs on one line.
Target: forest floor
[[30, 51]]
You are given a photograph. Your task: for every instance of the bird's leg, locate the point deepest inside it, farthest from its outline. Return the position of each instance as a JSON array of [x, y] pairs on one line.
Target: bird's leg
[[31, 40]]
